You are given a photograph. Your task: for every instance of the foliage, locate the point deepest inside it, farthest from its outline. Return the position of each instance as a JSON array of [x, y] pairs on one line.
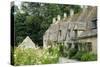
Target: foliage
[[65, 53], [72, 52], [63, 50], [23, 56], [35, 56], [78, 55], [53, 56], [89, 57], [85, 56]]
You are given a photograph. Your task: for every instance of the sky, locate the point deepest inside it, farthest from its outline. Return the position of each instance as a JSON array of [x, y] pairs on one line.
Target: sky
[[18, 3]]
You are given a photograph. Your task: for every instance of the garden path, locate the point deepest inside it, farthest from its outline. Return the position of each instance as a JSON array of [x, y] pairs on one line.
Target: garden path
[[66, 60]]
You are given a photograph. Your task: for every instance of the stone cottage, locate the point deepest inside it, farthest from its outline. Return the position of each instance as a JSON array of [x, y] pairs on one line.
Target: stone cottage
[[80, 27]]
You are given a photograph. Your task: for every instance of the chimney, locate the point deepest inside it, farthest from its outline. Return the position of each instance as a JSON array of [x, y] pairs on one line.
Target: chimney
[[58, 17], [84, 6], [54, 20], [65, 15], [71, 12]]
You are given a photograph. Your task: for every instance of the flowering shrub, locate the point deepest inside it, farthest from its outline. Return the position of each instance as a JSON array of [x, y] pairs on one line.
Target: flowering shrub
[[35, 56]]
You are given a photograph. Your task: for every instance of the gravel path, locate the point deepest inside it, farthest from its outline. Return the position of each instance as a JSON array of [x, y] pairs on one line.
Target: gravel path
[[66, 60]]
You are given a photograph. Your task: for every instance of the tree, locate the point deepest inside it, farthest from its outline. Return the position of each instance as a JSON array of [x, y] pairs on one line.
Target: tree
[[36, 19]]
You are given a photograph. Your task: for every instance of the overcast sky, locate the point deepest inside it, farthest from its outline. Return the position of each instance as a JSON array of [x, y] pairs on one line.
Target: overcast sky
[[18, 3]]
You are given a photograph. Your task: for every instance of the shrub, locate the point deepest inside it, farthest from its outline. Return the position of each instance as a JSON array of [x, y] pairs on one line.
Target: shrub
[[85, 56], [89, 57], [72, 52], [35, 56], [65, 52], [61, 47], [53, 55], [78, 55], [24, 56]]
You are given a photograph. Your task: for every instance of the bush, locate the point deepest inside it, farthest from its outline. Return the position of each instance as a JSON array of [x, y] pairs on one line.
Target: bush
[[85, 56], [61, 47], [78, 55], [65, 54], [72, 52], [35, 56], [89, 57], [22, 57], [53, 55], [63, 50]]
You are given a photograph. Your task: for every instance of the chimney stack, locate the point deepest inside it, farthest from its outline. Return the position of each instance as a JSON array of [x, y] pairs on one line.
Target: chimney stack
[[58, 18], [71, 12], [65, 15], [54, 20], [84, 6]]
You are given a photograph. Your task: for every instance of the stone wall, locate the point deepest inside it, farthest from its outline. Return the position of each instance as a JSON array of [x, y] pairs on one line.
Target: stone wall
[[93, 40]]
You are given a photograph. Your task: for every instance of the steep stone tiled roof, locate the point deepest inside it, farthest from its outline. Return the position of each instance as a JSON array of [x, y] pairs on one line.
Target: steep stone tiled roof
[[81, 22], [88, 33]]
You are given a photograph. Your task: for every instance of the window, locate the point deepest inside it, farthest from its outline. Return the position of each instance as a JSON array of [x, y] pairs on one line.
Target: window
[[89, 46]]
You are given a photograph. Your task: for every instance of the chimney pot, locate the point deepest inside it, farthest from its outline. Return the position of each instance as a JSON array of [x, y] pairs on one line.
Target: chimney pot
[[71, 12], [65, 15], [58, 17], [54, 20]]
